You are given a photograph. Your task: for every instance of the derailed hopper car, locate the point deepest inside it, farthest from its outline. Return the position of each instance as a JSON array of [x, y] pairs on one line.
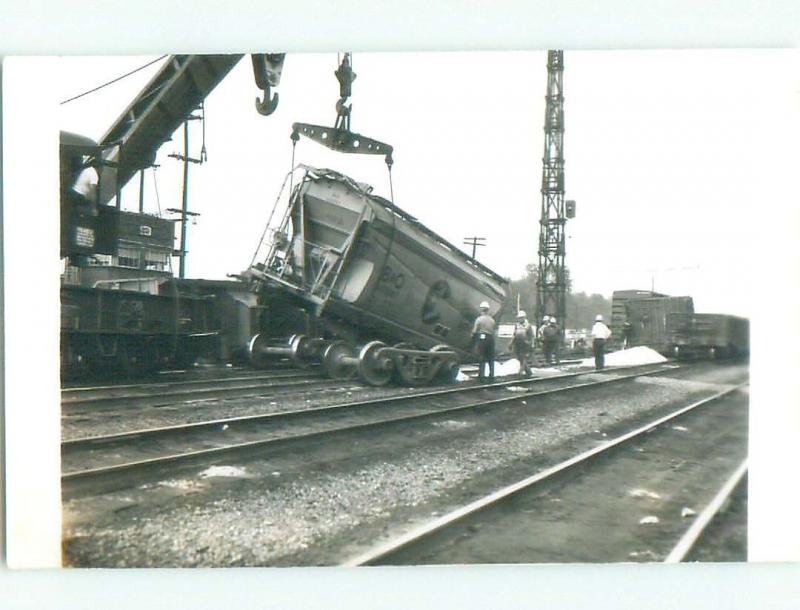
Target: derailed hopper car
[[397, 299]]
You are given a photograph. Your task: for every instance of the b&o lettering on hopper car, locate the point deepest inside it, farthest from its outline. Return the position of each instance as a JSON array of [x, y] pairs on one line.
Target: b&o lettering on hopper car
[[439, 291], [391, 280]]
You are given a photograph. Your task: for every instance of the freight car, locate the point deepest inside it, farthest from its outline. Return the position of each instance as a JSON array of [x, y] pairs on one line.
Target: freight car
[[708, 335], [134, 326], [396, 299], [670, 326], [647, 321], [620, 327], [132, 332]]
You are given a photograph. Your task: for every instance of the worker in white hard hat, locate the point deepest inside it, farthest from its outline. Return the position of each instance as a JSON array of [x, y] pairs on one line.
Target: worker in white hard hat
[[551, 336], [600, 333], [540, 330], [522, 343], [483, 334]]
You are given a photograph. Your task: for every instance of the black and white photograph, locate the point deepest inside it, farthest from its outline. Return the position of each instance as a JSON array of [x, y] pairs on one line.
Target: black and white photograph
[[315, 311], [347, 308]]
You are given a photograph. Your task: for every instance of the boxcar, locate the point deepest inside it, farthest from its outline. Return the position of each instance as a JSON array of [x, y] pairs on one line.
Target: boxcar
[[372, 271], [648, 321], [619, 311], [708, 335]]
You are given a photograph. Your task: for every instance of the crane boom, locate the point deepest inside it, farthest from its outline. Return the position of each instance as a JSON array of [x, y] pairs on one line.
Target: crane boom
[[131, 143]]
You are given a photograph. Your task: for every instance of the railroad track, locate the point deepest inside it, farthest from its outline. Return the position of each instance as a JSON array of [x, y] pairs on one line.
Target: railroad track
[[75, 401], [168, 376], [438, 537], [693, 537], [95, 464]]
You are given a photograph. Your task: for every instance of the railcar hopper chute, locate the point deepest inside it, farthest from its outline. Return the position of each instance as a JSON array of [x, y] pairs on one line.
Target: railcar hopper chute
[[397, 299]]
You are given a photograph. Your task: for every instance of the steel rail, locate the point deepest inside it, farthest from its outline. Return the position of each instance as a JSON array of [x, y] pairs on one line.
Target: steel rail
[[70, 396], [82, 476], [102, 405], [384, 550], [689, 540]]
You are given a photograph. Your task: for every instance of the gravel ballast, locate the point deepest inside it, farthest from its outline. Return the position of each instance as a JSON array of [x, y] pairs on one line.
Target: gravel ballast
[[256, 515]]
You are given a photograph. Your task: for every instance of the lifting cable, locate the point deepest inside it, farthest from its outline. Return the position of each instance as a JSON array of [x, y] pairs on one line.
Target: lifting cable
[[391, 184], [203, 153], [111, 82], [158, 202], [155, 186], [392, 213], [295, 137]]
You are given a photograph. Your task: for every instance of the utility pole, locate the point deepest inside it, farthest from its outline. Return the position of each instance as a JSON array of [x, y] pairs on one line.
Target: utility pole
[[474, 242], [141, 191], [185, 213], [551, 283]]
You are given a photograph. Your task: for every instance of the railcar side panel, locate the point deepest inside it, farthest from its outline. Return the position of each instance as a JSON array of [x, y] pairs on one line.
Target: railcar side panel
[[619, 311], [434, 302], [648, 319], [136, 331], [718, 335]]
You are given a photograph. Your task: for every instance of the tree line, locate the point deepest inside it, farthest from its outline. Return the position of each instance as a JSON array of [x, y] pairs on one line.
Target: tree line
[[581, 308]]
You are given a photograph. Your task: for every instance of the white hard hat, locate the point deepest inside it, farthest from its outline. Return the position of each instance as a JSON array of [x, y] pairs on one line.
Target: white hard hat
[[598, 318], [484, 305], [552, 319], [521, 313]]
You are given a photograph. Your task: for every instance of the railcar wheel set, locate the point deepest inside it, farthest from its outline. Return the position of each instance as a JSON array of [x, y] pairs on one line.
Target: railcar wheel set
[[374, 363]]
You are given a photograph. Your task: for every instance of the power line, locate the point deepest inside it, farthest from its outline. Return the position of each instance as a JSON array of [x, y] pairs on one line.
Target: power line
[[111, 82]]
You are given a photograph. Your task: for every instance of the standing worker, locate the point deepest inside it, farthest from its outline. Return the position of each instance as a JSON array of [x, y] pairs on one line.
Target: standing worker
[[540, 335], [550, 338], [627, 333], [522, 343], [540, 332], [556, 347], [600, 332], [483, 334]]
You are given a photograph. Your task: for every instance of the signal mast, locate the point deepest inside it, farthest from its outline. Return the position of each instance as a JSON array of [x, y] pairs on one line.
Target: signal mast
[[551, 284]]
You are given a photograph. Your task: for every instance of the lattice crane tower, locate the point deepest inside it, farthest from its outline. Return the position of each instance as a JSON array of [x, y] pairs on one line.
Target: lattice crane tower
[[551, 285]]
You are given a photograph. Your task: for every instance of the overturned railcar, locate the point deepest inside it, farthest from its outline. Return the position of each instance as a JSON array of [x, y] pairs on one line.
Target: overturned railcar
[[397, 300]]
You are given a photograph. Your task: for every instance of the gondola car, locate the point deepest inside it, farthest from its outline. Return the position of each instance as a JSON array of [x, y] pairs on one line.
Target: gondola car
[[708, 335], [117, 330], [397, 300]]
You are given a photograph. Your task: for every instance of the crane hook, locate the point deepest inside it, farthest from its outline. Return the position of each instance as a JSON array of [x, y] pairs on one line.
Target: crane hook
[[267, 72], [345, 76]]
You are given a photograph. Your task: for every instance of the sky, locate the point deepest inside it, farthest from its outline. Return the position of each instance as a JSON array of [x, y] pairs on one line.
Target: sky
[[672, 157]]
